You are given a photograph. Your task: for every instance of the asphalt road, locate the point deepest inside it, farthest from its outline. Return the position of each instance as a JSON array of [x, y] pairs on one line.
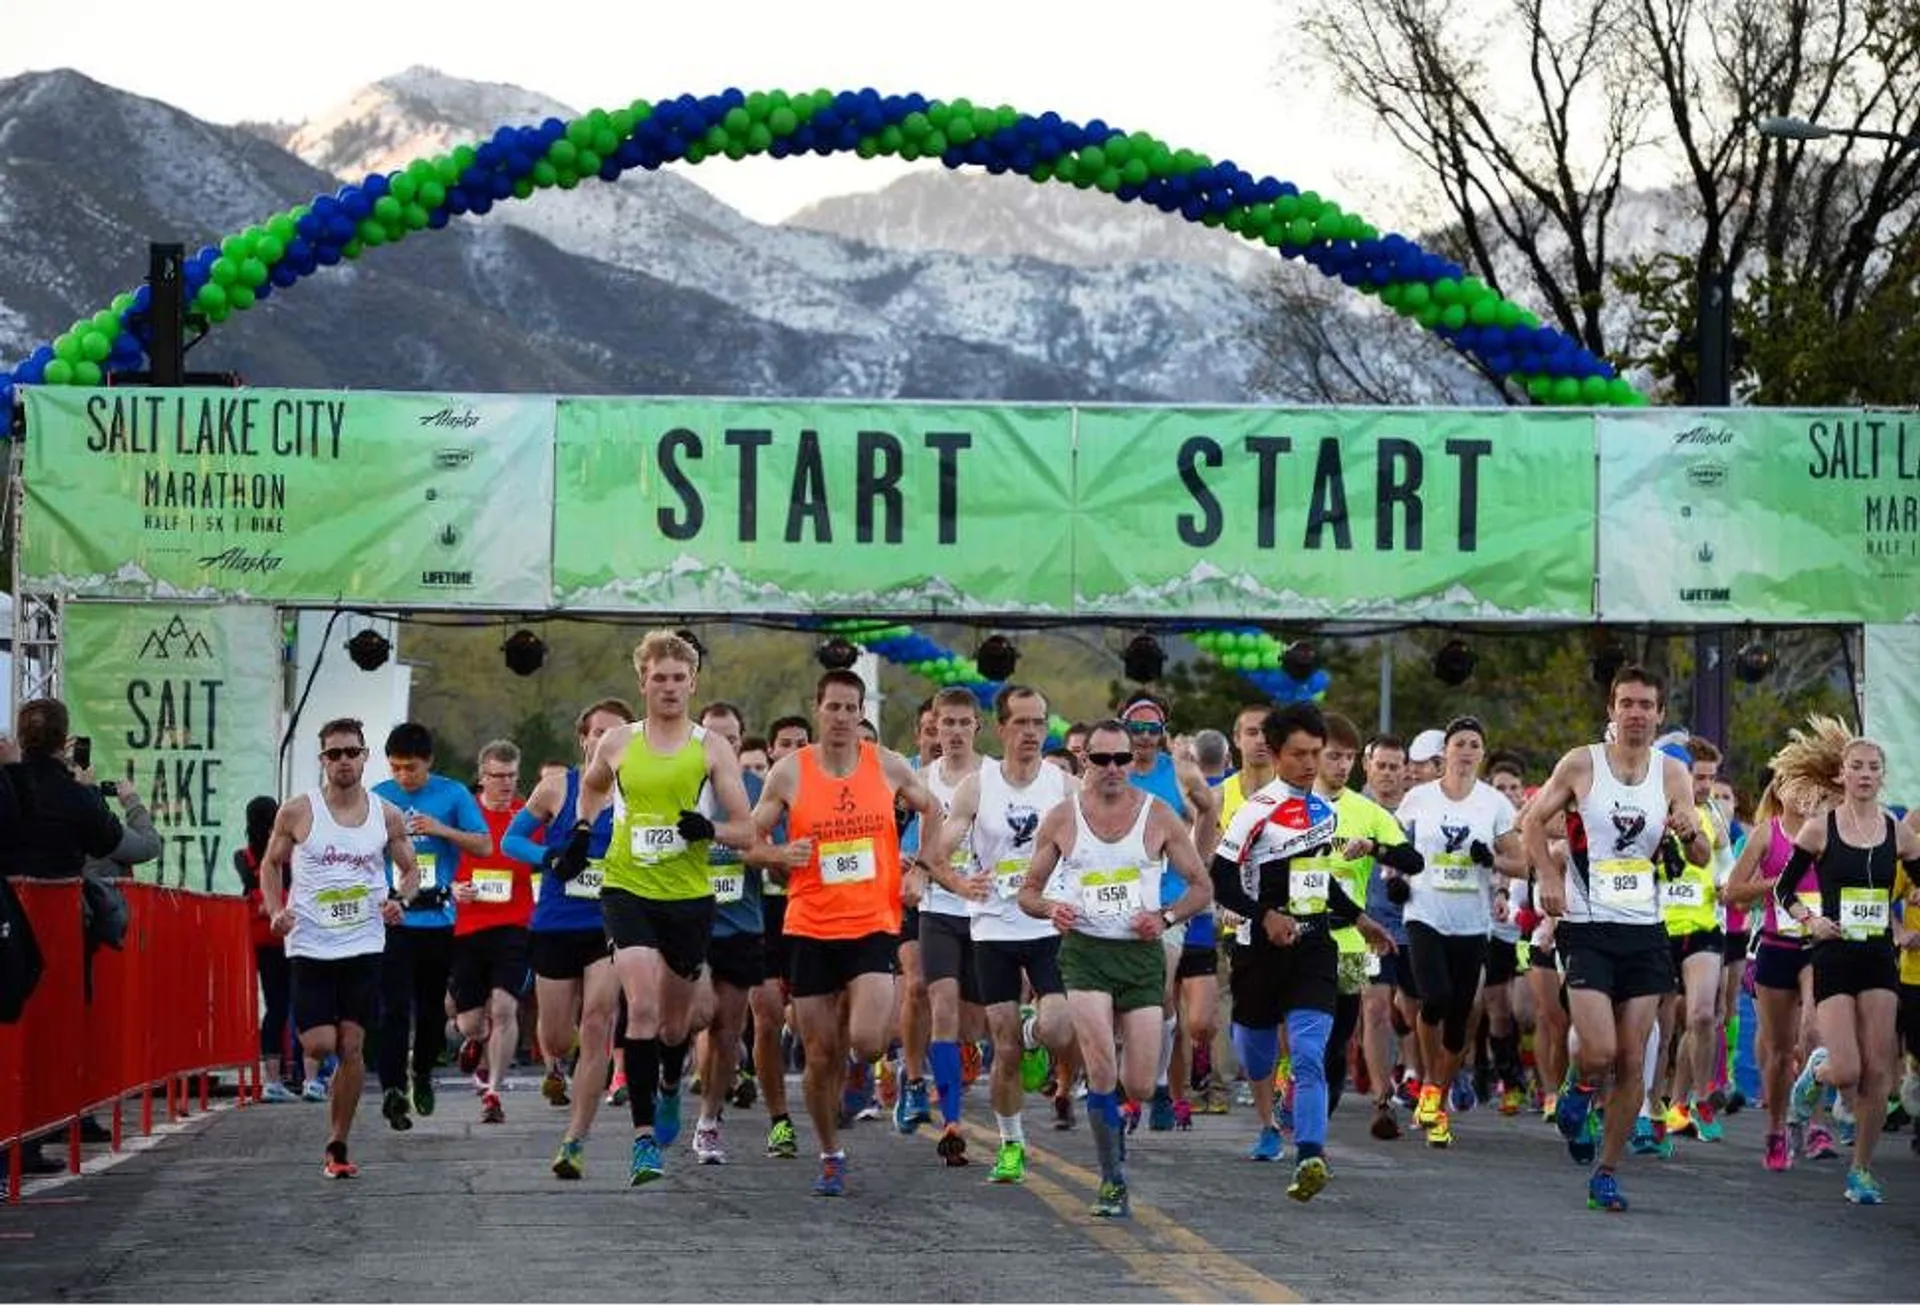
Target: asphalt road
[[234, 1206]]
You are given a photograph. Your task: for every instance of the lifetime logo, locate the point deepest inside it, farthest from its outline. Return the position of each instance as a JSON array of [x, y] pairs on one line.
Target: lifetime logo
[[1706, 595]]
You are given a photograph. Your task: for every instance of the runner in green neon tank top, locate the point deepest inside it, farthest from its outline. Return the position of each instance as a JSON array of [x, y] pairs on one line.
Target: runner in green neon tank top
[[657, 900]]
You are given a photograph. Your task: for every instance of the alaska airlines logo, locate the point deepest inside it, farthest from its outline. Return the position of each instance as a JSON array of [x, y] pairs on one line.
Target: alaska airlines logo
[[1455, 835], [1022, 823]]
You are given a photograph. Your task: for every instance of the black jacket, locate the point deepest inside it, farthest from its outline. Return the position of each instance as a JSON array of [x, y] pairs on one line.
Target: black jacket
[[60, 821]]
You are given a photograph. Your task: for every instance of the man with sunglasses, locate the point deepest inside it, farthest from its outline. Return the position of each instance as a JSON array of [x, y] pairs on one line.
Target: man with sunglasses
[[446, 824], [1110, 841], [1177, 782], [341, 839]]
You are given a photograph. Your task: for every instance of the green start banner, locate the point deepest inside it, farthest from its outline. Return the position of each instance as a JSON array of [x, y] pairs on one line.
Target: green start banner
[[182, 702], [725, 507], [1759, 515], [290, 496], [1263, 513]]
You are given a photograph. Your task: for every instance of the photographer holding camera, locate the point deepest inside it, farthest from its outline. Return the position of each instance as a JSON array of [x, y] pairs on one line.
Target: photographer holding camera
[[64, 818], [446, 824]]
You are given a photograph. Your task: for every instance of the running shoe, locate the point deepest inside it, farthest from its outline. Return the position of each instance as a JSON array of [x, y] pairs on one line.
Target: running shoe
[[706, 1145], [336, 1166], [1819, 1144], [917, 1107], [1010, 1166], [1215, 1102], [423, 1095], [646, 1166], [471, 1050], [1550, 1107], [1861, 1189], [1130, 1115], [1805, 1093], [1844, 1124], [1270, 1146], [1243, 1095], [1429, 1106], [1779, 1159], [1183, 1116], [833, 1176], [666, 1115], [1112, 1203], [1910, 1093], [1679, 1120], [1511, 1100], [1662, 1144], [1160, 1111], [1440, 1131], [1408, 1093], [746, 1091], [1575, 1117], [393, 1105], [570, 1161], [1035, 1065], [1309, 1176], [276, 1093], [782, 1142], [1706, 1124], [554, 1087], [886, 1084], [617, 1089], [491, 1111], [1603, 1192], [952, 1146], [315, 1090], [857, 1095], [1736, 1102], [1062, 1113], [481, 1083], [1283, 1108], [1643, 1141], [971, 1063], [1385, 1126], [1465, 1097]]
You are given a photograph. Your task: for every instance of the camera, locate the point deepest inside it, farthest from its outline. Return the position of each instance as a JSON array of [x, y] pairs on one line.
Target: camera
[[83, 753]]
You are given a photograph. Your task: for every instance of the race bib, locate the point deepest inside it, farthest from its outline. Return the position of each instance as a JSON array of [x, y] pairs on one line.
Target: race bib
[[1111, 894], [1624, 885], [651, 844], [1865, 913], [494, 886], [1454, 873], [1686, 891], [587, 883], [1307, 889], [1788, 927], [428, 864], [1373, 965], [343, 908], [850, 862], [729, 885], [1243, 933], [1009, 877]]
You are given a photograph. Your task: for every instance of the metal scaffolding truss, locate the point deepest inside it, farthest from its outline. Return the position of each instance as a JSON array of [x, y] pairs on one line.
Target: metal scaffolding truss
[[36, 648]]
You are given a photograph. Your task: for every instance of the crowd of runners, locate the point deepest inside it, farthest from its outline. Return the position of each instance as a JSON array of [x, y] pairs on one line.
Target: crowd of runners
[[1121, 923]]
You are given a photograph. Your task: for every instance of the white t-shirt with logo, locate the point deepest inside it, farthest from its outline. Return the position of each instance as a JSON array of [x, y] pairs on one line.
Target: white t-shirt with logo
[[1452, 895]]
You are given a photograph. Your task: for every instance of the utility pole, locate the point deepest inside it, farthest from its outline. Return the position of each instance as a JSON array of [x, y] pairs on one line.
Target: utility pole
[[1712, 682]]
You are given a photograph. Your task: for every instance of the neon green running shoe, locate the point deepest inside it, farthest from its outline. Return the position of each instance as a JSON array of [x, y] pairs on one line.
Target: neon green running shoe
[[1011, 1164]]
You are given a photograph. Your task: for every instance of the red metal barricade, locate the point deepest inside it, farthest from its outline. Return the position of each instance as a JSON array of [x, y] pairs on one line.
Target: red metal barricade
[[179, 999]]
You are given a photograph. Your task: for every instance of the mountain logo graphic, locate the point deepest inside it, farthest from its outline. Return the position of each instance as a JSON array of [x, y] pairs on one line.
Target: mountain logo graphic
[[173, 641]]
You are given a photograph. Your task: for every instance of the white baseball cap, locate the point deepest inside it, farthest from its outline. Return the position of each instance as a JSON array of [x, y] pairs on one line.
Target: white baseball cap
[[1427, 745]]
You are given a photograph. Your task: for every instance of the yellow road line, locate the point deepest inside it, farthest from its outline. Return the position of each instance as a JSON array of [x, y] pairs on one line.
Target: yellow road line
[[1145, 1263], [1231, 1276]]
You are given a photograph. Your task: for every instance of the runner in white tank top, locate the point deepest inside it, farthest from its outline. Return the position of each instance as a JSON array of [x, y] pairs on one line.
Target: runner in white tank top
[[1110, 843], [1623, 800], [337, 838], [997, 813]]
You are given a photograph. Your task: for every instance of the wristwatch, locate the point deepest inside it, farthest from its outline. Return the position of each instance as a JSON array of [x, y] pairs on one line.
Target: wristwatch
[[1168, 918]]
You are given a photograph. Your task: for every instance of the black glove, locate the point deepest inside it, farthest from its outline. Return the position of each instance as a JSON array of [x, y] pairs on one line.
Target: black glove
[[1673, 859], [572, 858], [694, 827], [1399, 891], [1482, 854]]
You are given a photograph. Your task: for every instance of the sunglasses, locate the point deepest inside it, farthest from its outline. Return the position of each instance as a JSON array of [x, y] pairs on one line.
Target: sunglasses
[[1146, 727], [343, 754], [1109, 759]]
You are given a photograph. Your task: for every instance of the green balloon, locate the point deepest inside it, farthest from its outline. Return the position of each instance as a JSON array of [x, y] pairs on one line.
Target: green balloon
[[212, 295], [432, 194], [1416, 295], [1453, 316], [239, 298], [1507, 314], [757, 105], [545, 174], [253, 273], [523, 188], [372, 234], [1093, 158], [107, 322], [910, 150], [891, 137], [416, 218], [402, 187], [236, 247], [569, 178], [579, 131], [938, 113], [353, 248], [714, 139], [960, 131], [1287, 207], [281, 228], [735, 149], [1042, 172], [605, 141], [588, 164], [86, 373], [915, 125], [1593, 390], [1539, 388], [1446, 290], [66, 347], [387, 209], [225, 271], [1566, 390], [934, 144], [759, 138], [784, 122], [58, 372], [270, 250], [867, 147], [95, 346], [621, 120], [563, 153], [121, 303], [1485, 311], [1067, 168], [463, 157], [1620, 392], [1428, 316], [1300, 231]]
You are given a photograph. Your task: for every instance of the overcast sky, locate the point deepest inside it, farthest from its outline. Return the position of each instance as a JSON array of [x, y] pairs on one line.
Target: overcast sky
[[1221, 76]]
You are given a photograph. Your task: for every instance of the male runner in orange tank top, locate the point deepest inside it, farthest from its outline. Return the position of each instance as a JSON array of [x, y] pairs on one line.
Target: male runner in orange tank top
[[843, 894]]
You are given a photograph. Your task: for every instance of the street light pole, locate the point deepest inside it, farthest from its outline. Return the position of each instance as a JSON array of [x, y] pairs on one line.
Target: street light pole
[[1801, 129]]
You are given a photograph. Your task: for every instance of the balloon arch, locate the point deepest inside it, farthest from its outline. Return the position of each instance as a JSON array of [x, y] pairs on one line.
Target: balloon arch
[[276, 253]]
